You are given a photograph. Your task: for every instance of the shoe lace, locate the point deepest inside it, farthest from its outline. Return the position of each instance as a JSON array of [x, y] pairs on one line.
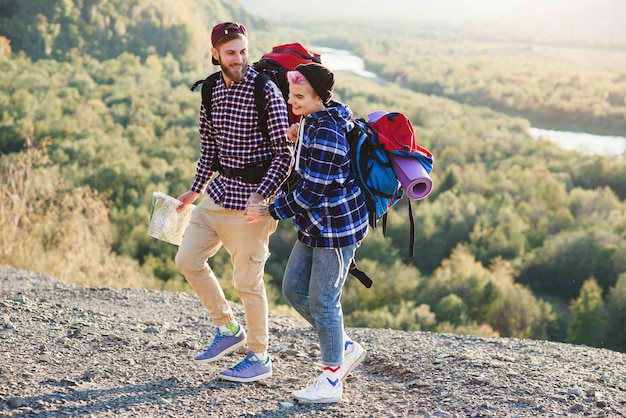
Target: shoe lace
[[216, 339], [310, 386], [243, 364], [315, 383]]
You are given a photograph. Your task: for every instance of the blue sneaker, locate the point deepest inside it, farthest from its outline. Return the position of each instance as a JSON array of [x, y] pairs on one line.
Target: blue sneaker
[[250, 369], [221, 346]]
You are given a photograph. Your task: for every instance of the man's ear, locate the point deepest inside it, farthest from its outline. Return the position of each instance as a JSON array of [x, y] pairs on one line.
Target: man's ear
[[215, 54]]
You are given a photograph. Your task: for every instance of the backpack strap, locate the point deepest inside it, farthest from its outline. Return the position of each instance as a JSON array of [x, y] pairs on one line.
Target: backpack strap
[[359, 274], [262, 106], [384, 222], [207, 90], [412, 233]]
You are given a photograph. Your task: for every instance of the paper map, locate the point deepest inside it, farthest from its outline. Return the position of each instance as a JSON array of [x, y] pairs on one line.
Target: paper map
[[165, 223]]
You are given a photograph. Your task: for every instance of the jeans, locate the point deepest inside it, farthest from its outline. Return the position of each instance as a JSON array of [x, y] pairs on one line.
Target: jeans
[[312, 284]]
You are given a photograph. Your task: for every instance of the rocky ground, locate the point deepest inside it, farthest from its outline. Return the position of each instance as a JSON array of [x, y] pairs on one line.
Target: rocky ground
[[108, 352]]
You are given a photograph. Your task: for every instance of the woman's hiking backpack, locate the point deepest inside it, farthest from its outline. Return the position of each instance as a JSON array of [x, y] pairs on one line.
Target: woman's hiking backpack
[[374, 174], [272, 67], [372, 146]]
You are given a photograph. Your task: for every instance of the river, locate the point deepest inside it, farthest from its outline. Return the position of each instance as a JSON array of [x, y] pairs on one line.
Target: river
[[615, 146], [583, 142], [342, 60]]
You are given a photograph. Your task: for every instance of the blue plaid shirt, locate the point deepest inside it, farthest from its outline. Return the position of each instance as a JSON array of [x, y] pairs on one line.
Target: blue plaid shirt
[[327, 207], [233, 132]]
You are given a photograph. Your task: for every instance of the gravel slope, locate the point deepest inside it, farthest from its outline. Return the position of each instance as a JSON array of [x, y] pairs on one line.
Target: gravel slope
[[108, 352]]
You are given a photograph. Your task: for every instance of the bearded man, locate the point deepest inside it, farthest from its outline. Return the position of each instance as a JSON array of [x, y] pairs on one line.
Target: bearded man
[[250, 168]]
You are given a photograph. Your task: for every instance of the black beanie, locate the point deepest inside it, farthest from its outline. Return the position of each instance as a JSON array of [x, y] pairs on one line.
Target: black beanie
[[321, 79]]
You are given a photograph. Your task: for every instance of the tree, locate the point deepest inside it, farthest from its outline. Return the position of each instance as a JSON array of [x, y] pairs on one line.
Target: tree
[[616, 315], [517, 311], [589, 317], [500, 231], [57, 229], [451, 308], [567, 259]]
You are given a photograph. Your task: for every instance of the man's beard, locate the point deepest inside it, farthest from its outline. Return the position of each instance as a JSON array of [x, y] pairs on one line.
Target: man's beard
[[232, 75]]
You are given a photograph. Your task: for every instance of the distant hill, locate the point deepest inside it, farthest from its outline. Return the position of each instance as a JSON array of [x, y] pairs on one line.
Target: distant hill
[[520, 11], [105, 29]]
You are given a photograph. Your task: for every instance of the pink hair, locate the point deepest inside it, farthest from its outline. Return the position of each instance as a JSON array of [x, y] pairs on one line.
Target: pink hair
[[296, 77]]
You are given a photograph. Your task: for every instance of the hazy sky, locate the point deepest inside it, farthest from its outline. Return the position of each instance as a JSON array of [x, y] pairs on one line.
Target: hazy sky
[[558, 11]]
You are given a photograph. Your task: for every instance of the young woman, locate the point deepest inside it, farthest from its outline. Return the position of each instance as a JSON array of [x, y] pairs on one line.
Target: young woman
[[329, 212]]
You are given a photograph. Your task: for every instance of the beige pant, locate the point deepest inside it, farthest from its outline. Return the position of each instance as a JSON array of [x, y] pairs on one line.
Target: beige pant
[[211, 227]]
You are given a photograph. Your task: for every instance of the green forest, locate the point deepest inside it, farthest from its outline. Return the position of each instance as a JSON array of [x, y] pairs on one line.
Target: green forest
[[519, 238]]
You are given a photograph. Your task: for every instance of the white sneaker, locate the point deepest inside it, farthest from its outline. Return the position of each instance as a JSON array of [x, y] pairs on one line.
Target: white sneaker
[[323, 390], [351, 359]]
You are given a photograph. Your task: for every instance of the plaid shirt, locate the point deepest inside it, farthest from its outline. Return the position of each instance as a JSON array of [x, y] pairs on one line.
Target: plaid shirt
[[233, 133], [328, 207]]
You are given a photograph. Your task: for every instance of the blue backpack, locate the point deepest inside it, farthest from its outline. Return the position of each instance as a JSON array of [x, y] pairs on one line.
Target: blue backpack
[[374, 173]]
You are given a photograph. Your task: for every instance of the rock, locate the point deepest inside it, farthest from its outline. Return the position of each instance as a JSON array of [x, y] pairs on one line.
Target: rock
[[151, 330], [575, 392], [15, 403]]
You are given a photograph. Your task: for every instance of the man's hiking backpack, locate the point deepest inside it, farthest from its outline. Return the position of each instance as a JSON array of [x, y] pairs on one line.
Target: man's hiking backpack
[[272, 66], [279, 60], [372, 145]]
